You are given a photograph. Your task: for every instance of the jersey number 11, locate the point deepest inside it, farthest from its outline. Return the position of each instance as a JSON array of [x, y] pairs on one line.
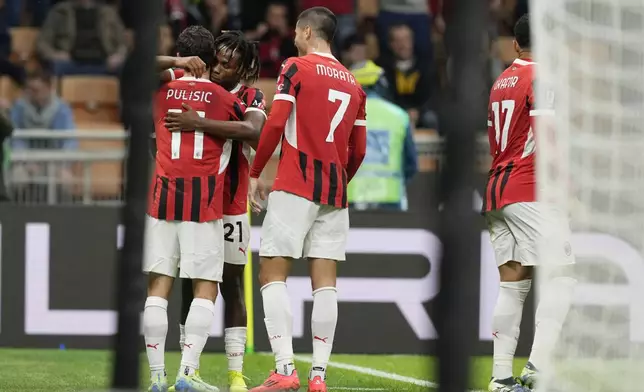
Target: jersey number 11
[[175, 145]]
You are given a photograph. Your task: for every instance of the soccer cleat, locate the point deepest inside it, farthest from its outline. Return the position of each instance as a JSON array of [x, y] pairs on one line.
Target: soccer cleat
[[317, 385], [160, 384], [529, 376], [193, 383], [506, 385], [278, 382], [236, 382]]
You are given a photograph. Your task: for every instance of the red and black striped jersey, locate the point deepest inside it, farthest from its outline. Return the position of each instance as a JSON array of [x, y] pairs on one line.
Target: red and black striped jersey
[[236, 182], [512, 143], [327, 104], [190, 166]]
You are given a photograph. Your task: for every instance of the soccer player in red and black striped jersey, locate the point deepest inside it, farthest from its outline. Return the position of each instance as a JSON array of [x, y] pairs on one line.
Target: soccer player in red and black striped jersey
[[185, 223], [319, 115], [237, 60], [521, 227]]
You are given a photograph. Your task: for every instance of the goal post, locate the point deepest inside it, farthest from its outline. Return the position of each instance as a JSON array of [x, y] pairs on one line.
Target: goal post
[[590, 163]]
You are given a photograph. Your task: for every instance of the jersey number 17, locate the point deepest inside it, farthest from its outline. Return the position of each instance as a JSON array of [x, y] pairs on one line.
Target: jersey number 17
[[501, 131]]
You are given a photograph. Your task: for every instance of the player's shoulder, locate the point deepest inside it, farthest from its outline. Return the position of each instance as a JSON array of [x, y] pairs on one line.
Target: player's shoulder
[[291, 64], [253, 97], [251, 90]]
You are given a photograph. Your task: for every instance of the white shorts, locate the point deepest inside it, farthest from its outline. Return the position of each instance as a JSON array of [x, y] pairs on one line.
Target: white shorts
[[530, 233], [196, 249], [296, 227], [236, 239]]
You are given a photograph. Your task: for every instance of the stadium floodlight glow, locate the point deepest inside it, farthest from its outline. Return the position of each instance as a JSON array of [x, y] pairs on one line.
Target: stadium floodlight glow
[[590, 163]]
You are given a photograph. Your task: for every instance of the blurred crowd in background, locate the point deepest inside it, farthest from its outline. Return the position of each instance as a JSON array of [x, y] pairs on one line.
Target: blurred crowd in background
[[59, 60]]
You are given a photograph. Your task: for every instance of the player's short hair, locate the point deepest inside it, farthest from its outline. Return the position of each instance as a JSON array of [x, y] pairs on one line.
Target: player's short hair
[[249, 62], [197, 41], [522, 32], [321, 20]]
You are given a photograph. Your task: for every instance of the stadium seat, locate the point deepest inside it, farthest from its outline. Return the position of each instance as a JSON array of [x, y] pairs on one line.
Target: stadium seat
[[427, 163], [8, 89], [504, 49], [92, 98], [23, 40], [268, 88], [106, 177]]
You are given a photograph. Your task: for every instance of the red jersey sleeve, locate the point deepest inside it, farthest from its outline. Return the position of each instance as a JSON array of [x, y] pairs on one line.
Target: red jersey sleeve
[[254, 100], [358, 140], [176, 73], [288, 86], [545, 106], [288, 82]]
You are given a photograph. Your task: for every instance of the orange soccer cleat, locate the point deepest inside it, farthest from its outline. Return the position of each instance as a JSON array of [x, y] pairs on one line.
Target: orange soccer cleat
[[317, 384], [279, 382]]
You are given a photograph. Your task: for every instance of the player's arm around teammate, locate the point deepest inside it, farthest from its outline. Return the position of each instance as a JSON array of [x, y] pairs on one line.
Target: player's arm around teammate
[[246, 131]]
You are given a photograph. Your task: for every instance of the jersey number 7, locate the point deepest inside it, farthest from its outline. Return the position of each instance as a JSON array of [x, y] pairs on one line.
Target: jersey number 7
[[175, 145], [507, 107], [344, 98]]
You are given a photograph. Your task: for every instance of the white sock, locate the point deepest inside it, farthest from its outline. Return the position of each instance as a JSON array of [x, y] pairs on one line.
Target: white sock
[[554, 304], [279, 319], [182, 336], [324, 318], [235, 342], [506, 324], [155, 330], [198, 324]]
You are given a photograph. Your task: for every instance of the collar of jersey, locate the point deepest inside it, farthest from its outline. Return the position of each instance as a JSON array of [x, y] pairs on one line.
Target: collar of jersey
[[236, 89], [193, 79], [328, 55], [523, 62]]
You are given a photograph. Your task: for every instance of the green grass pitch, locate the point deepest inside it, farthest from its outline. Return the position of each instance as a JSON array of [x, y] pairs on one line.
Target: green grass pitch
[[82, 370]]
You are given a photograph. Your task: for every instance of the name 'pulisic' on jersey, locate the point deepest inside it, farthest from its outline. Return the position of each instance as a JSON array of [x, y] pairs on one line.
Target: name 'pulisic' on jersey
[[193, 95]]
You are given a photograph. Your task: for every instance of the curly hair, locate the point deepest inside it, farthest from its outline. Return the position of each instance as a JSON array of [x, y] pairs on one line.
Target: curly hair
[[236, 42], [197, 41]]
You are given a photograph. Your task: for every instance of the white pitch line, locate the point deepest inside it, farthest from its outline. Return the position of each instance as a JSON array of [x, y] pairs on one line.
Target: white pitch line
[[355, 389], [375, 373]]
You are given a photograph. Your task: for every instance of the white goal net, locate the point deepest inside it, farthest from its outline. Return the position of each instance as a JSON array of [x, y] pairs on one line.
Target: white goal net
[[591, 162]]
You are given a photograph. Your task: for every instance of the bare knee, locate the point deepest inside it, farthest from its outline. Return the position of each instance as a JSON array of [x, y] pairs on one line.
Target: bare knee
[[159, 285], [513, 271], [273, 269], [323, 273], [205, 289]]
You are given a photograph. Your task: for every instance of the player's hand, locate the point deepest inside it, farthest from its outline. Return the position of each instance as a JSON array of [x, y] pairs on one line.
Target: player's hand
[[184, 121], [193, 64], [256, 192]]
